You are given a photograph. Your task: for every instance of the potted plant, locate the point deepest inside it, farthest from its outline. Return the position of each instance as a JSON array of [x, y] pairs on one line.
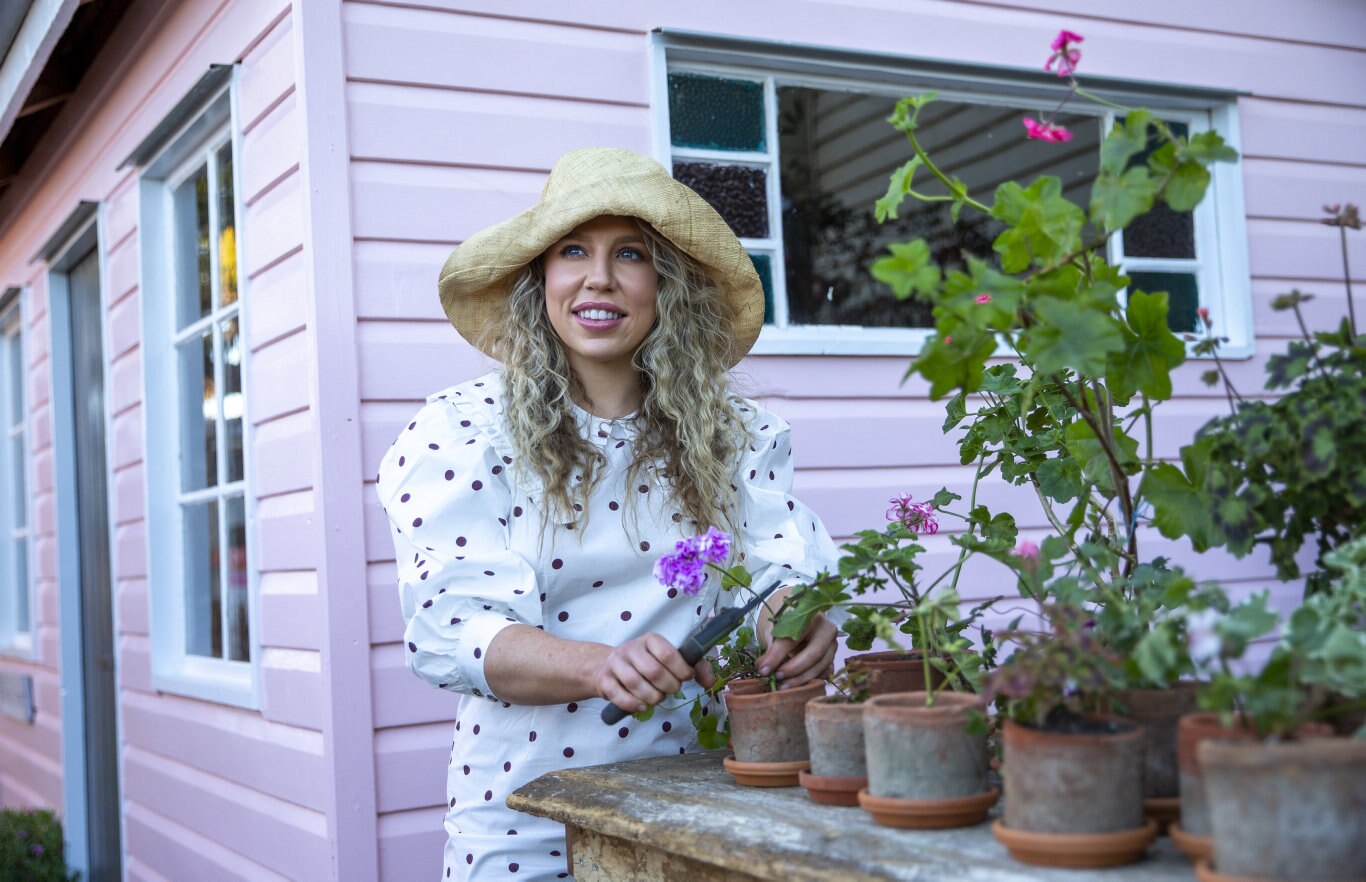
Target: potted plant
[[31, 847], [834, 736]]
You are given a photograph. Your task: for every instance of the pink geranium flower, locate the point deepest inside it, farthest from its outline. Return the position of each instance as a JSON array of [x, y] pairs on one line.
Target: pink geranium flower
[[1045, 131], [1065, 55], [984, 297], [918, 517]]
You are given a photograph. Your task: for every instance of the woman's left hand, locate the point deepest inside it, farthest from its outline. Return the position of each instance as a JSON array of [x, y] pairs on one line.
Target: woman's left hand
[[796, 662]]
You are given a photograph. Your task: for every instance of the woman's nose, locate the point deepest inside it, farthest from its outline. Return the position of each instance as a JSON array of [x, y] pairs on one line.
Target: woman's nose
[[599, 274]]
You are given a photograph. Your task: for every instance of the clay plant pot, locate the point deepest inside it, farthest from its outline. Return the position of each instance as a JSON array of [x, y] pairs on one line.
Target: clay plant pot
[[1192, 834], [895, 671], [1158, 711], [834, 735], [770, 727], [1291, 810], [1075, 798], [925, 770]]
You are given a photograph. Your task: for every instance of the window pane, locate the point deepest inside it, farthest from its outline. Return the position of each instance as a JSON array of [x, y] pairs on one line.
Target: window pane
[[21, 622], [716, 113], [203, 604], [227, 230], [1183, 297], [838, 152], [763, 265], [234, 404], [739, 193], [193, 292], [20, 485], [239, 642], [16, 377], [1161, 232], [199, 406]]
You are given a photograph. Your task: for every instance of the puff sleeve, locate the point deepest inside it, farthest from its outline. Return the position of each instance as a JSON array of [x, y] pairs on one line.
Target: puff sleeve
[[448, 497], [782, 538]]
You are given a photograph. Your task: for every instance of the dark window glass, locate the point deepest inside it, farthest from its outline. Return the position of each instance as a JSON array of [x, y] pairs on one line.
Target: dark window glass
[[1161, 232], [716, 113], [838, 151], [1183, 297], [763, 265], [739, 193]]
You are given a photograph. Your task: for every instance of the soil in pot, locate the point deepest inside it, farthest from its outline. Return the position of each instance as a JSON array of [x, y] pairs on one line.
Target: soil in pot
[[1291, 810], [834, 735], [770, 727], [895, 671], [925, 769], [1074, 794], [1158, 712]]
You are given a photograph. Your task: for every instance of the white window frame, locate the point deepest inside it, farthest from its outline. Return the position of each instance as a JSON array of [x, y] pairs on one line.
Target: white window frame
[[14, 642], [174, 668], [1221, 265]]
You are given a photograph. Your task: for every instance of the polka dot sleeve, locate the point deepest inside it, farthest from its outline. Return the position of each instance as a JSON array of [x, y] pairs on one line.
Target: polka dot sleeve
[[447, 494], [783, 539]]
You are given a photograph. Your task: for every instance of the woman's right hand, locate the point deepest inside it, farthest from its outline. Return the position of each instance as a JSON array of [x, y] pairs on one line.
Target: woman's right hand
[[642, 672]]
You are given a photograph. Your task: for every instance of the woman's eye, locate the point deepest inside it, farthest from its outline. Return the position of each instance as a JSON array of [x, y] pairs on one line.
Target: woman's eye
[[632, 253], [571, 251]]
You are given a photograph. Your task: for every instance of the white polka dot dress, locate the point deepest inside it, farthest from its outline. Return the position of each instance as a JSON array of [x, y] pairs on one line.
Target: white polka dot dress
[[471, 561]]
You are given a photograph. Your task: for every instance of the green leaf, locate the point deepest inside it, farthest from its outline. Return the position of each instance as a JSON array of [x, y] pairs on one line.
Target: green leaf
[[645, 715], [1117, 200], [1151, 351], [1158, 656], [908, 269], [956, 365], [955, 411], [1207, 147], [1071, 336], [906, 116], [1042, 226], [944, 497], [1180, 508], [1060, 478], [861, 633], [1090, 454], [1126, 140], [897, 188], [1187, 186]]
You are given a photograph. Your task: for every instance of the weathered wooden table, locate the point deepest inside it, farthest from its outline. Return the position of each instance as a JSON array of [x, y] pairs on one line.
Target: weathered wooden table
[[682, 818]]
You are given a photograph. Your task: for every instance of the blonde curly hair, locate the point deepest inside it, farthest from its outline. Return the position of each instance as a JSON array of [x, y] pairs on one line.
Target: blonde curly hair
[[687, 425]]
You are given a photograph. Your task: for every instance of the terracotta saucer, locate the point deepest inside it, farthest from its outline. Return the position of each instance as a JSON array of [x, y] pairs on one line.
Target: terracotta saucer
[[1165, 810], [1076, 850], [765, 774], [832, 789], [1197, 848], [929, 814], [1205, 873]]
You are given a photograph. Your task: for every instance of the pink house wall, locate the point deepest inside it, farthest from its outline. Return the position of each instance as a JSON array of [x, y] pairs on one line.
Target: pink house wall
[[459, 108]]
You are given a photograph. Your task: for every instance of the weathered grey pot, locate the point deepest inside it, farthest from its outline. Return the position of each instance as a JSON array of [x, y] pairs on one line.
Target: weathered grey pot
[[919, 752], [892, 671], [770, 727], [834, 734], [1157, 711], [1288, 811], [1074, 782]]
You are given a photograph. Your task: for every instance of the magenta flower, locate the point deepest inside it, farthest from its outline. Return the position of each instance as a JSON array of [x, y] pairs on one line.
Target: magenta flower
[[983, 297], [1028, 553], [685, 568], [1065, 55], [1045, 131], [1203, 312], [918, 517]]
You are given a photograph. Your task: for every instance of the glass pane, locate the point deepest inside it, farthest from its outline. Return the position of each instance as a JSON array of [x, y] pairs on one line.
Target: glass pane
[[838, 152], [194, 296], [16, 378], [738, 193], [234, 404], [716, 113], [1183, 297], [227, 230], [1161, 232], [239, 642], [21, 623], [203, 604], [20, 485], [199, 407], [763, 265]]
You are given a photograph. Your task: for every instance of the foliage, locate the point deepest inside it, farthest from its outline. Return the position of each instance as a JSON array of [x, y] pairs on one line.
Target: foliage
[[851, 685], [31, 847]]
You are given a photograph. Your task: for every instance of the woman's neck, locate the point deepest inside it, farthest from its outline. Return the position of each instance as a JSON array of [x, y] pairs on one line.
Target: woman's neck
[[610, 393]]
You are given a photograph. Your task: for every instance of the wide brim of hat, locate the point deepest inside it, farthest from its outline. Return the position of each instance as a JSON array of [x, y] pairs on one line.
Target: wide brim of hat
[[477, 278]]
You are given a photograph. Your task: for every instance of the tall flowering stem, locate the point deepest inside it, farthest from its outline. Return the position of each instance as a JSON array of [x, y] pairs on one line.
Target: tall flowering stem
[[685, 568]]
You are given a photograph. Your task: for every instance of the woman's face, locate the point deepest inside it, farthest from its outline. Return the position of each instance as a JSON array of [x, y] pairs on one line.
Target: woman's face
[[600, 289]]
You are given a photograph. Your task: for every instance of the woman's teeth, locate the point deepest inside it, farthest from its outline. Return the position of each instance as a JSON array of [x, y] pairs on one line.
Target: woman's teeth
[[599, 315]]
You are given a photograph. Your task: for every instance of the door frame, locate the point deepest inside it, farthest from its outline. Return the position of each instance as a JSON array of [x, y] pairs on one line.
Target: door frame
[[84, 231]]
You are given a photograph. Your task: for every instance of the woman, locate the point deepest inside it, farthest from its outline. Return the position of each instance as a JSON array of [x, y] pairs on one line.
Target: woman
[[529, 506]]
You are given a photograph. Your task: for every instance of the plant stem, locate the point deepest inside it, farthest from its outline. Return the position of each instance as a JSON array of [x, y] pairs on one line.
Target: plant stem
[[1347, 277], [1057, 525], [972, 503], [958, 191]]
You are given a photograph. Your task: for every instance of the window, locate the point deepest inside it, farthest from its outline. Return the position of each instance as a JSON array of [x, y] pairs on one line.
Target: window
[[200, 580], [15, 618], [792, 147]]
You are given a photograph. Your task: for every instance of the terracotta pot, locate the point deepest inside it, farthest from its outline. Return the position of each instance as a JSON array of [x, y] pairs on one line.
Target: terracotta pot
[[1076, 851], [770, 727], [834, 735], [1158, 712], [895, 671], [1191, 730], [1090, 781], [1291, 810]]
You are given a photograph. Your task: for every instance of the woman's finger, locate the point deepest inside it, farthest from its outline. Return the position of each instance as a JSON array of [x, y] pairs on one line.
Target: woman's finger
[[821, 670], [810, 656], [703, 673], [668, 656]]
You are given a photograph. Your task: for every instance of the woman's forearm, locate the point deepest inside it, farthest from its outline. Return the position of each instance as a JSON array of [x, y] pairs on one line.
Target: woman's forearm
[[525, 665]]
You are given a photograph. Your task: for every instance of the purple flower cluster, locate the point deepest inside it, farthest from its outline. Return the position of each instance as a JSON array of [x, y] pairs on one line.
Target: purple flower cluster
[[918, 517], [686, 567]]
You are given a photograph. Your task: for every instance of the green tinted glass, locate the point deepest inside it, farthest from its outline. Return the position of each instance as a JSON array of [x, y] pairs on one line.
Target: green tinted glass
[[715, 113], [763, 265], [1183, 297]]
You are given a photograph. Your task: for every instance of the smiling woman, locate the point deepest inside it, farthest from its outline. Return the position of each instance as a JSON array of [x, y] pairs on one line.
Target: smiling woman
[[529, 506]]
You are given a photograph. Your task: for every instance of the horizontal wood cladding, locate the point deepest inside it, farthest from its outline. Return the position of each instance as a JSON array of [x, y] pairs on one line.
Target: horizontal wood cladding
[[497, 55], [277, 302], [434, 203], [441, 127], [286, 532], [410, 844], [292, 687], [162, 849], [1282, 188], [1302, 131], [271, 150], [402, 699], [397, 280], [405, 760], [31, 769], [291, 614], [267, 73], [281, 455], [282, 762]]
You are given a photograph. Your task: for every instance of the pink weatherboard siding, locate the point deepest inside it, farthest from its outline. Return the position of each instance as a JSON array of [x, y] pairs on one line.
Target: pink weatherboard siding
[[374, 137]]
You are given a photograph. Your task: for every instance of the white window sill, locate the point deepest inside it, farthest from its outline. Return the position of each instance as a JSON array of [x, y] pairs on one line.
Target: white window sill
[[208, 679]]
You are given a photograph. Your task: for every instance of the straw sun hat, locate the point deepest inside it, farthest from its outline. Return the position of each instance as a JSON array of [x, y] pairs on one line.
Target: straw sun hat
[[477, 279]]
